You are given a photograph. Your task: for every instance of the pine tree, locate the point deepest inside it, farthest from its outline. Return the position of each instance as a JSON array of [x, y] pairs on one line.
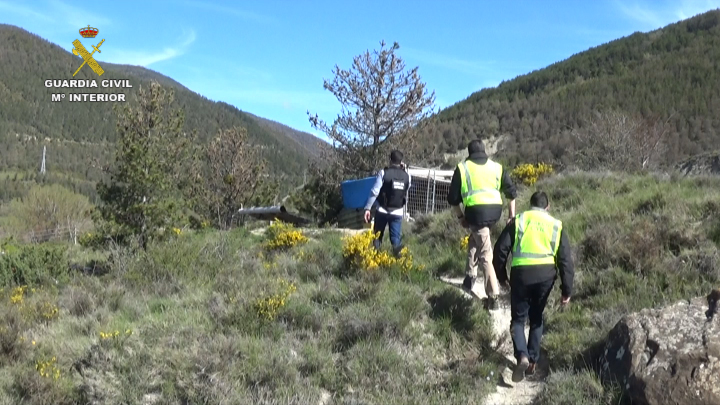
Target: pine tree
[[142, 197], [383, 106]]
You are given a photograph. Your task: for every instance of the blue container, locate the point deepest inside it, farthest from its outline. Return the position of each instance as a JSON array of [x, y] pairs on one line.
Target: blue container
[[356, 192]]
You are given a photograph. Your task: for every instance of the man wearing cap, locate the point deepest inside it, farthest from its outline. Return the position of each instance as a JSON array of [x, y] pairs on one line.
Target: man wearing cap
[[477, 183]]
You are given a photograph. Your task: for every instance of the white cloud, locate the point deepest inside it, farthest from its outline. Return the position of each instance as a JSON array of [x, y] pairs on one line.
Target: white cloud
[[23, 11], [147, 58], [244, 14], [54, 16], [690, 8], [446, 61], [652, 16], [642, 14]]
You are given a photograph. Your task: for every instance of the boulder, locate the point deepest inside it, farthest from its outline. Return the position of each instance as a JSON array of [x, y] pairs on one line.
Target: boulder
[[703, 164], [667, 356]]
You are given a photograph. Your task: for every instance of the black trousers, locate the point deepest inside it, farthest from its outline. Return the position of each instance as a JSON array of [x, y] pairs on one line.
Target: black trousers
[[528, 301]]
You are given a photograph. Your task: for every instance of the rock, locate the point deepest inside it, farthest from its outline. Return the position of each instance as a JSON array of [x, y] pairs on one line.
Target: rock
[[151, 399], [325, 397], [703, 164], [667, 356]]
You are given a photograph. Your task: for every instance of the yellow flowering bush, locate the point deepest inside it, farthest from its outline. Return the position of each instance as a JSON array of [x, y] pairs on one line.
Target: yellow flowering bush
[[405, 261], [86, 238], [112, 335], [48, 311], [270, 265], [18, 295], [114, 338], [91, 240], [267, 307], [48, 369], [464, 242], [300, 255], [360, 254], [283, 236], [529, 174], [43, 309], [267, 260]]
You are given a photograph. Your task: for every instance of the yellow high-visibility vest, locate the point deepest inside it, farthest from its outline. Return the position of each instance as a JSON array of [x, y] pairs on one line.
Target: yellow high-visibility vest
[[480, 184], [536, 238]]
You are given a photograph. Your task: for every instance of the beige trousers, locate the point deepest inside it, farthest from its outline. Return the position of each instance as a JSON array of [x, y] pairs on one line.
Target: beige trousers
[[480, 252]]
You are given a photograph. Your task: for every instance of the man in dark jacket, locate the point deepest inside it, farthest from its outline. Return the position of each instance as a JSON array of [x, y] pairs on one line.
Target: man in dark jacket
[[539, 245], [390, 190], [476, 184]]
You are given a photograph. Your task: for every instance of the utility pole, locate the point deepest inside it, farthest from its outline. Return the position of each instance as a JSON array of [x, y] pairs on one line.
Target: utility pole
[[42, 165]]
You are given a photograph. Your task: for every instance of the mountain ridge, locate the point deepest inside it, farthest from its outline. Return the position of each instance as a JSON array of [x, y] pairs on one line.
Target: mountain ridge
[[670, 71], [26, 60]]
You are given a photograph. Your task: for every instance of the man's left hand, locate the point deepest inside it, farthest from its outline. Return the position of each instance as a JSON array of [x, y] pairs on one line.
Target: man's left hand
[[464, 223]]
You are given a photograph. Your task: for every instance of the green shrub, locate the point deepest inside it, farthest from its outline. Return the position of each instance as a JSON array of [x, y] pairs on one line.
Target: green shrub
[[32, 265]]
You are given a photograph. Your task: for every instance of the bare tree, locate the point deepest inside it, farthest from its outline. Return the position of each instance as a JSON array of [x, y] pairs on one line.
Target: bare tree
[[650, 144], [382, 107], [617, 141], [235, 169]]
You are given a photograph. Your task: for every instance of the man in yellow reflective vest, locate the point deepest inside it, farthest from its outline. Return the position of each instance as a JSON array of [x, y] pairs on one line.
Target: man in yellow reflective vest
[[477, 184], [539, 246]]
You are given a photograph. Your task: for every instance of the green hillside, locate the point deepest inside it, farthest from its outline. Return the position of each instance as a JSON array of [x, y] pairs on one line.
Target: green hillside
[[76, 133], [278, 318], [673, 69]]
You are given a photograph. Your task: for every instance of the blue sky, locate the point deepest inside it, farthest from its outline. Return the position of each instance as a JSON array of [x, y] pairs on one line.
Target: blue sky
[[270, 57]]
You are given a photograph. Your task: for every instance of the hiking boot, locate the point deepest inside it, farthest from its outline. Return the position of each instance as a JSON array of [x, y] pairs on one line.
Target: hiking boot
[[468, 283], [491, 304], [519, 372], [530, 370]]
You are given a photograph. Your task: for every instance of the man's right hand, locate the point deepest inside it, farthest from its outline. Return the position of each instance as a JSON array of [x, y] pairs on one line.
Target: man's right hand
[[564, 300], [367, 216]]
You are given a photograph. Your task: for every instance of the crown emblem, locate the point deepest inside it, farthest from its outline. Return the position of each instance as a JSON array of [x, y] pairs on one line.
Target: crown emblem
[[88, 32]]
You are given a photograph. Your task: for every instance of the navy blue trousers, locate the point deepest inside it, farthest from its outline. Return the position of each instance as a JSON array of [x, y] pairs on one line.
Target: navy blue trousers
[[394, 222], [528, 301]]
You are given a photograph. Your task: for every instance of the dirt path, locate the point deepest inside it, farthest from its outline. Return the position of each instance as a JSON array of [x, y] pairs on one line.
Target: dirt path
[[508, 393]]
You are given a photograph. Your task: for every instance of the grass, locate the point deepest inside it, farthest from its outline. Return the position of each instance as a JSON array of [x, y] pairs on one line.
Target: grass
[[569, 387], [180, 323]]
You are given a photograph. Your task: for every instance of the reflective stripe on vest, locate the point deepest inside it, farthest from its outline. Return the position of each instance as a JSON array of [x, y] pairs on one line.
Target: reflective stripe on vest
[[480, 184], [535, 246]]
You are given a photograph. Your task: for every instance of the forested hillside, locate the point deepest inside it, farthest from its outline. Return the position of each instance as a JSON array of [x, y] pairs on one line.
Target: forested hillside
[[312, 144], [670, 70], [76, 133]]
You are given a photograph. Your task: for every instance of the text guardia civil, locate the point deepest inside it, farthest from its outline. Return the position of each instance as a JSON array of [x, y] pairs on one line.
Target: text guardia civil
[[92, 97]]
